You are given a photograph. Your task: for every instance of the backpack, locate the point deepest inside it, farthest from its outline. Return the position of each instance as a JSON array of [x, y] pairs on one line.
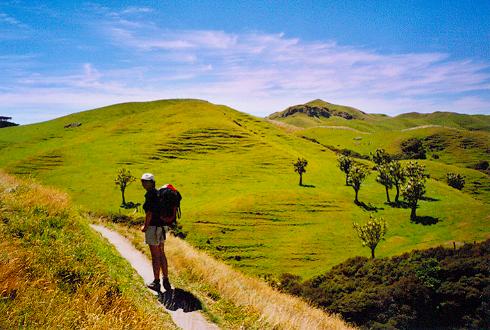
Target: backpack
[[169, 201]]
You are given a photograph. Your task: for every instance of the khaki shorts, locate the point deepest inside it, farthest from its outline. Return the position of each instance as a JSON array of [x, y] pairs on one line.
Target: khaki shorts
[[154, 235]]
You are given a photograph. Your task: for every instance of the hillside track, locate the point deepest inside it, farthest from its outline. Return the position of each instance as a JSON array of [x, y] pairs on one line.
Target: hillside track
[[185, 320]]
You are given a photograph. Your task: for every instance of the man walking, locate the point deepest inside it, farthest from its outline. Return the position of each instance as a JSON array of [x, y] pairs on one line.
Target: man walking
[[154, 234]]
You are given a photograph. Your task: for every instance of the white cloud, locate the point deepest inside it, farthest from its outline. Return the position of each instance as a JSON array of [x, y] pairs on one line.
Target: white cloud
[[136, 10], [259, 73], [7, 19]]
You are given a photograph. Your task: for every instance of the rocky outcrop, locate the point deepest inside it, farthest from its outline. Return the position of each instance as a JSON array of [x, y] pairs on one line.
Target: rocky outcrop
[[315, 111], [311, 111]]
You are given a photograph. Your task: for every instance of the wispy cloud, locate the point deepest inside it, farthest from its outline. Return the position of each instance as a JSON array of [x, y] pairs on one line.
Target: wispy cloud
[[9, 20], [253, 71], [293, 65], [11, 28], [136, 10]]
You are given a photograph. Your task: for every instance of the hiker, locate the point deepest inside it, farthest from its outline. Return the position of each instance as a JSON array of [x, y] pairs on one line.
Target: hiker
[[154, 234]]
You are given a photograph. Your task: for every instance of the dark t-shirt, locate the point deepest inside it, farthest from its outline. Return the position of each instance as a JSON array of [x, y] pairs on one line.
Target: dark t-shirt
[[151, 205]]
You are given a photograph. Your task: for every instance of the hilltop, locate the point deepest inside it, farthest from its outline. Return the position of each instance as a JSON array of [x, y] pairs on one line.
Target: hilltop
[[321, 109], [241, 200], [321, 113]]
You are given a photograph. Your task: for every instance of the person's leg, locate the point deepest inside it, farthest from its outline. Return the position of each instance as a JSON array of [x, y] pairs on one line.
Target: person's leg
[[163, 261], [156, 260]]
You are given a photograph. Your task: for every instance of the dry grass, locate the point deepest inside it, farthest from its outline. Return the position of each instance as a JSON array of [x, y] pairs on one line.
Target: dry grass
[[232, 299], [28, 194], [243, 302], [279, 310], [37, 227]]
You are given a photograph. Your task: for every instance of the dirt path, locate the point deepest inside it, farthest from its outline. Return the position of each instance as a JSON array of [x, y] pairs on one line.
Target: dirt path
[[185, 320]]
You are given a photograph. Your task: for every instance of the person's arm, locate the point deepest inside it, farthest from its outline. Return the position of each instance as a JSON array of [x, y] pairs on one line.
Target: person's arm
[[147, 221]]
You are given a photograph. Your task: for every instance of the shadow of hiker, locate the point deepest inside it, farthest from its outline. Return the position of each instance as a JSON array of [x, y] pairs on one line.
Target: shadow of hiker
[[426, 220], [178, 298], [368, 207], [308, 186]]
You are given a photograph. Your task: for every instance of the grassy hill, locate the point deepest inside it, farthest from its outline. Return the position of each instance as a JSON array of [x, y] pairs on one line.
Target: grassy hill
[[457, 141], [241, 200], [56, 273], [370, 123]]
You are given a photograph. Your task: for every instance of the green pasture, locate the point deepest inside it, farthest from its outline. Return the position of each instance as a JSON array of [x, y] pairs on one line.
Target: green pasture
[[242, 201]]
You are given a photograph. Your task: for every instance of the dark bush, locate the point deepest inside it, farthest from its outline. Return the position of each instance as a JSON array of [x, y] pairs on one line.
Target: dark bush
[[434, 288], [413, 148], [4, 122], [482, 165], [455, 180]]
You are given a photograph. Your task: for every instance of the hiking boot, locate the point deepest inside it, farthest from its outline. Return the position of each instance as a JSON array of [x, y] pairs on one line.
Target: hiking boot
[[155, 285], [166, 284]]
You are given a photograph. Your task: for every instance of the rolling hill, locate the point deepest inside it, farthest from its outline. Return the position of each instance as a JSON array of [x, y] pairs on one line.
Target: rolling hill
[[328, 114], [454, 142], [241, 196]]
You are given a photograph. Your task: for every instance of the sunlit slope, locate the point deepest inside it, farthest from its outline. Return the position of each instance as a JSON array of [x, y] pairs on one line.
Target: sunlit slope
[[450, 150], [376, 122], [241, 201], [454, 142]]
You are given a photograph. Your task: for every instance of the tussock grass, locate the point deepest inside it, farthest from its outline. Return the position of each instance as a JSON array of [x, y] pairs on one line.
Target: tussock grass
[[54, 274], [232, 299], [277, 309]]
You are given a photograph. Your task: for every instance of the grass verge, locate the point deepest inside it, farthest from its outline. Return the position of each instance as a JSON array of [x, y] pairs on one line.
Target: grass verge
[[231, 299], [56, 273]]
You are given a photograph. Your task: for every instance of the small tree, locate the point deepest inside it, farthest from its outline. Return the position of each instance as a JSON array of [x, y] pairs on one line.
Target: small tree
[[345, 163], [371, 233], [123, 179], [397, 175], [357, 174], [414, 190], [455, 180], [300, 168], [381, 157], [384, 178]]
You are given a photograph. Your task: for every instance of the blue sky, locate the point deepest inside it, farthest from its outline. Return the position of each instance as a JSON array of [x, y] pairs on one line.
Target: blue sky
[[59, 57]]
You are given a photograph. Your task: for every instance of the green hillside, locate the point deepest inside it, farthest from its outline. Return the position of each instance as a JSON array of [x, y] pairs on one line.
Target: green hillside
[[370, 123], [241, 200], [454, 142], [56, 273]]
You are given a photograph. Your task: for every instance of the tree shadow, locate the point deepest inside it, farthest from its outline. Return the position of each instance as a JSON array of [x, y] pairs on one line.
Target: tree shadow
[[368, 207], [308, 186], [429, 199], [399, 204], [426, 220], [131, 205], [179, 298]]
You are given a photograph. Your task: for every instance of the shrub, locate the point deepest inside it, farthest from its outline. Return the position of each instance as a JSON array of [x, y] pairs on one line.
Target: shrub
[[482, 165], [455, 180], [413, 148], [434, 288]]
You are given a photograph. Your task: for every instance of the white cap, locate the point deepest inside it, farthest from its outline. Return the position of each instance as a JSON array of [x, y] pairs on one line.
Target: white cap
[[148, 177]]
